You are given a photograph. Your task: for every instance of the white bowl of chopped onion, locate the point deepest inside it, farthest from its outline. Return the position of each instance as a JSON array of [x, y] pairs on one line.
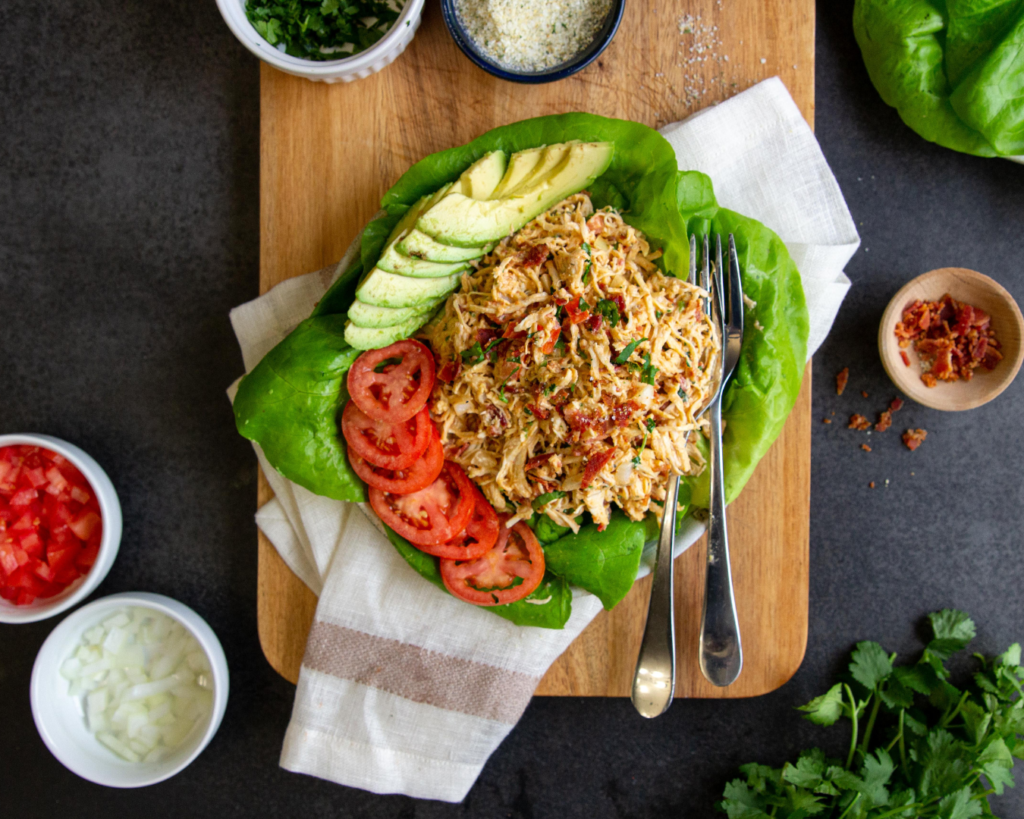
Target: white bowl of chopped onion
[[378, 56], [129, 689]]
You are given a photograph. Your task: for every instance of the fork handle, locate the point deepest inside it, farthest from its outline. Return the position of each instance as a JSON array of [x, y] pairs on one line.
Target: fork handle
[[721, 653]]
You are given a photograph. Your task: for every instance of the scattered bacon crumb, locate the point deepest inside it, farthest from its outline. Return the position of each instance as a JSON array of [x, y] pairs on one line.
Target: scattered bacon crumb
[[905, 357], [953, 339], [864, 393], [885, 417], [871, 485], [913, 438], [826, 420], [865, 447], [841, 378], [858, 421]]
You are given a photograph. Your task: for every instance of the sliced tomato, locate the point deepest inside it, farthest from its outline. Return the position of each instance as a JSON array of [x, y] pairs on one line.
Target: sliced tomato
[[84, 524], [402, 481], [383, 444], [479, 536], [510, 571], [432, 515], [393, 383]]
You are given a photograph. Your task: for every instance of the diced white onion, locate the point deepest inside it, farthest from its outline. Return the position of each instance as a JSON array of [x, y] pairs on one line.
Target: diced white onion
[[145, 680]]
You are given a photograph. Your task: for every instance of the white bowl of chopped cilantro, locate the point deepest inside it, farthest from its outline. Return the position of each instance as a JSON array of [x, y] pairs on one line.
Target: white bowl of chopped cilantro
[[324, 40]]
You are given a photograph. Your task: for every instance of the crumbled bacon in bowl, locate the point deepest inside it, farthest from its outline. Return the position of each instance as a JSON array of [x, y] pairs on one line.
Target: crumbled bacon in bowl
[[952, 338], [584, 368]]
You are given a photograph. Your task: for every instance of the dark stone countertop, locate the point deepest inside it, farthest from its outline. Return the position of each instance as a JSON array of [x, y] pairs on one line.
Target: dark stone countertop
[[129, 211]]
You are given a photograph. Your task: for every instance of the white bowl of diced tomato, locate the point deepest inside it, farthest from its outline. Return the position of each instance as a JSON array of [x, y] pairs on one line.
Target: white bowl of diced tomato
[[60, 526]]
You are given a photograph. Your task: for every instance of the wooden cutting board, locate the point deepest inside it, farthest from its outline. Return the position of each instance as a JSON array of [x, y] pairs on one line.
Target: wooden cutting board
[[329, 152]]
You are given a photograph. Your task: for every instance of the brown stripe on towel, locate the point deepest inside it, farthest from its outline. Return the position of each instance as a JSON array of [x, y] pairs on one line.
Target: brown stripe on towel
[[418, 674]]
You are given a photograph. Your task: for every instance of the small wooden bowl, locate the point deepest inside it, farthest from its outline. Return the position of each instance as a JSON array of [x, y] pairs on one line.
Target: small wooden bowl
[[977, 290]]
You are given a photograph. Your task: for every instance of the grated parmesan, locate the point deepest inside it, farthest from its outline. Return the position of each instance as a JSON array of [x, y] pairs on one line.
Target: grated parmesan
[[532, 35]]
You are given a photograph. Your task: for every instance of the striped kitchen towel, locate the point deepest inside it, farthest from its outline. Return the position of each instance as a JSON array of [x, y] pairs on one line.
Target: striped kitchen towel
[[403, 689]]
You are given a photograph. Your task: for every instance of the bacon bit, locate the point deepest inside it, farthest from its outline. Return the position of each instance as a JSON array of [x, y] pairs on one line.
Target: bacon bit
[[537, 412], [871, 485], [538, 254], [952, 338], [582, 420], [595, 463], [495, 416], [455, 452], [486, 336], [594, 323], [858, 421], [864, 393], [841, 378], [865, 447], [621, 415], [896, 404], [538, 460], [450, 371], [826, 420], [905, 357], [549, 345], [510, 332], [620, 302], [884, 421], [913, 438]]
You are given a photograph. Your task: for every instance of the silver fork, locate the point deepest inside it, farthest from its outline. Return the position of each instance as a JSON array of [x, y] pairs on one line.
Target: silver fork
[[654, 679], [721, 651]]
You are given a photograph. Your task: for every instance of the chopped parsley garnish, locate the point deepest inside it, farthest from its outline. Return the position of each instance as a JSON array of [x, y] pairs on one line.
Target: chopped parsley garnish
[[649, 370], [609, 310], [550, 388], [473, 355], [321, 29], [650, 423], [560, 345], [649, 426], [541, 501], [623, 357], [583, 305], [501, 389], [658, 314], [682, 394], [586, 267]]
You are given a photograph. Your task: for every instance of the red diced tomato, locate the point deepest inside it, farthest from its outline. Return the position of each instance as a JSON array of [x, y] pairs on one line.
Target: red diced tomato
[[43, 571], [24, 498], [55, 514], [24, 598], [62, 557], [6, 515], [8, 562], [26, 523], [87, 557], [32, 544], [34, 477], [84, 524], [79, 495]]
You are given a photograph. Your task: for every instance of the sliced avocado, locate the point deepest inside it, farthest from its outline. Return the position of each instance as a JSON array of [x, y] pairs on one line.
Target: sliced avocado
[[552, 157], [408, 220], [464, 222], [420, 246], [396, 262], [368, 338], [519, 167], [383, 289], [373, 317], [480, 179]]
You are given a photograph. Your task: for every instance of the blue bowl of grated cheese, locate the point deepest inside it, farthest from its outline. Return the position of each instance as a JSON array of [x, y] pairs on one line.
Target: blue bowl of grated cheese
[[532, 41]]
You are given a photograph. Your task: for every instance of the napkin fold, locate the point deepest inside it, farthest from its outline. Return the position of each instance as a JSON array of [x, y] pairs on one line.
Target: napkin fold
[[404, 689]]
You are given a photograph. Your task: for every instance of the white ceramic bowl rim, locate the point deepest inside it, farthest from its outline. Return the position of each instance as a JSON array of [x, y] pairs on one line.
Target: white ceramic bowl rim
[[233, 12], [82, 753], [110, 512]]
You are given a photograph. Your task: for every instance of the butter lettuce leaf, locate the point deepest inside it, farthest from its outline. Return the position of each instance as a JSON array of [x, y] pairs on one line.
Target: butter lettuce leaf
[[953, 69]]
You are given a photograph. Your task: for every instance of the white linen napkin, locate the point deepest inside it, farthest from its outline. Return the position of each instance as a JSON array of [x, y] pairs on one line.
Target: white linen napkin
[[404, 689]]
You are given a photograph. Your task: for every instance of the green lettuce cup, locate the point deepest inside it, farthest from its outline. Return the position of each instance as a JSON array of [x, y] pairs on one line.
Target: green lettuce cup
[[953, 69]]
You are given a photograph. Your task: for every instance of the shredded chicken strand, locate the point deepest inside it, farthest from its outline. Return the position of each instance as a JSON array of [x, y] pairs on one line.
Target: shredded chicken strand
[[542, 393]]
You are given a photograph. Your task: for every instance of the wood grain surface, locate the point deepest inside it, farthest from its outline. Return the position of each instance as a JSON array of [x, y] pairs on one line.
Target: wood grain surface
[[328, 154]]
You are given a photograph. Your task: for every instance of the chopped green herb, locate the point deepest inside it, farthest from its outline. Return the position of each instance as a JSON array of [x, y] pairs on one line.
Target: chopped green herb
[[583, 305], [623, 357], [648, 428], [542, 500], [560, 345], [473, 355], [586, 267], [658, 314], [609, 310], [649, 370], [650, 423], [321, 29], [550, 388], [682, 394]]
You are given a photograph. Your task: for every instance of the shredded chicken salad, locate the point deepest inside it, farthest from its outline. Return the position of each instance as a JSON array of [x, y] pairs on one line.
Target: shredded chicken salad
[[572, 370]]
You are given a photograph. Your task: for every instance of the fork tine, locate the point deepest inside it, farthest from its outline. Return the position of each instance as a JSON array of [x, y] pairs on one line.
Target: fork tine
[[693, 259], [719, 292], [705, 275], [734, 292]]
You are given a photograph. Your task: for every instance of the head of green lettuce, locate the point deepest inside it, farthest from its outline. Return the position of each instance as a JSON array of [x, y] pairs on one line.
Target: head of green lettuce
[[954, 69], [289, 404]]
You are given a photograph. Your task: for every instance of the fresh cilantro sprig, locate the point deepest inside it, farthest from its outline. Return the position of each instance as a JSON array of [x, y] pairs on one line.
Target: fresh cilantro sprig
[[623, 357], [920, 747], [609, 310], [587, 265], [321, 29]]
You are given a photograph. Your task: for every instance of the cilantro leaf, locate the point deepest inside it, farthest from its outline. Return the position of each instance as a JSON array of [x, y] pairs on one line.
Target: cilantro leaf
[[953, 631], [958, 806], [609, 310], [473, 355], [827, 708], [649, 371], [871, 665], [623, 357]]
